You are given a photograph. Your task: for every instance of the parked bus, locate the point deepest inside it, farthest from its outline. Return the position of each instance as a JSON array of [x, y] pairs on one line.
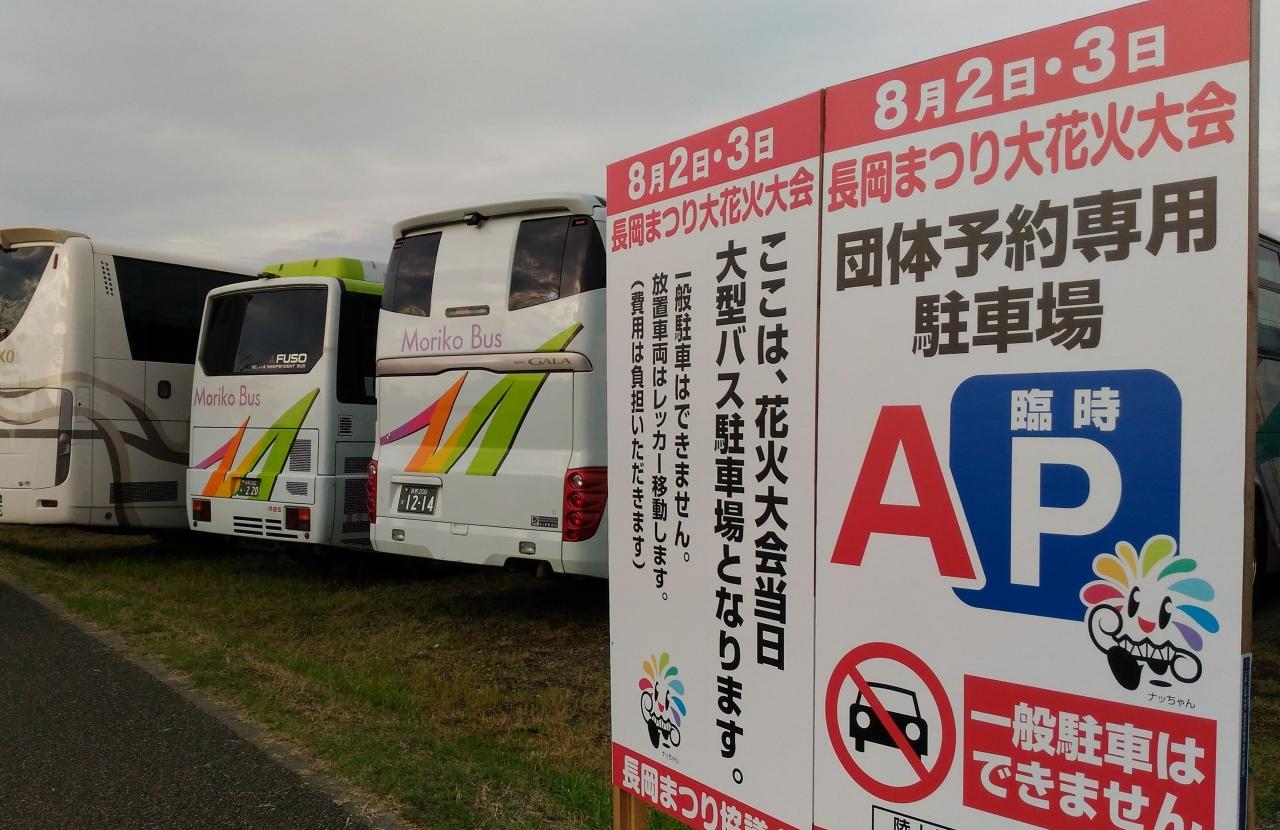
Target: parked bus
[[96, 348], [1267, 380], [282, 407], [491, 388]]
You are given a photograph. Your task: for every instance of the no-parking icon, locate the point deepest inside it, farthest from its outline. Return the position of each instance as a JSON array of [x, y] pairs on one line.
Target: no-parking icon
[[890, 708]]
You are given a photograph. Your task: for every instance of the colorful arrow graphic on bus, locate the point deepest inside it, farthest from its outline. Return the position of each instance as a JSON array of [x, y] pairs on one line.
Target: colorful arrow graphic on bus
[[503, 408], [278, 440]]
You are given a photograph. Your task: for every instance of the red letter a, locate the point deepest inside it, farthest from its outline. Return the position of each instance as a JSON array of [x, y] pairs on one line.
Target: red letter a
[[934, 518]]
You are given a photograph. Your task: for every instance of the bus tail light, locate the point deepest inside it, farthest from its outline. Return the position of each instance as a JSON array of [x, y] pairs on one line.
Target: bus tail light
[[371, 492], [201, 510], [62, 466], [297, 518], [586, 490]]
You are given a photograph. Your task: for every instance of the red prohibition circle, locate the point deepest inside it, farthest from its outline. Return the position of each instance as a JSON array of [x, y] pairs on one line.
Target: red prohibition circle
[[932, 778]]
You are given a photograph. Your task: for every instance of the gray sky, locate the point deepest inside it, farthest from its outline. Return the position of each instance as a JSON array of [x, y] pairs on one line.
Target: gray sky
[[260, 131]]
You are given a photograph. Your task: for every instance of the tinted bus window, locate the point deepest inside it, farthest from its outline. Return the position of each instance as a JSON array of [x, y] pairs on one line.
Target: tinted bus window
[[535, 267], [357, 347], [583, 258], [1268, 323], [1268, 302], [411, 274], [162, 304], [1269, 265], [279, 331], [554, 258], [20, 272]]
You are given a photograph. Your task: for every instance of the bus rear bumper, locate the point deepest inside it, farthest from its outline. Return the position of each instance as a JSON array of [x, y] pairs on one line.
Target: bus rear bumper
[[266, 520], [469, 544], [45, 506]]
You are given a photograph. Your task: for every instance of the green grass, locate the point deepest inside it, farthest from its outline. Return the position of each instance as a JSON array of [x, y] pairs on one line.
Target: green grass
[[1265, 747], [462, 698]]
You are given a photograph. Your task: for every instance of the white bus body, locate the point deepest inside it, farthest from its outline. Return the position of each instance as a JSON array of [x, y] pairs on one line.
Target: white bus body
[[96, 348], [282, 408], [491, 387]]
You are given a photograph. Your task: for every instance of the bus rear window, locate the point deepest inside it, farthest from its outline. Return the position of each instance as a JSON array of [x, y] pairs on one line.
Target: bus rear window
[[556, 257], [20, 272], [275, 331], [411, 272]]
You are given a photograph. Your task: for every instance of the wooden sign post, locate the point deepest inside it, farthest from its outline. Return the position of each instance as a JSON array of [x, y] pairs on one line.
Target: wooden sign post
[[629, 812]]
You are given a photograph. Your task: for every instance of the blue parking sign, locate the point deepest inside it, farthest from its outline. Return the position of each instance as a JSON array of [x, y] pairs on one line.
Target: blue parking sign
[[1053, 469]]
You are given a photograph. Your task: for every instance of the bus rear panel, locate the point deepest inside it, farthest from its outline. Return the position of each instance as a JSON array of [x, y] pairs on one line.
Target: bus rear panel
[[491, 442], [282, 408]]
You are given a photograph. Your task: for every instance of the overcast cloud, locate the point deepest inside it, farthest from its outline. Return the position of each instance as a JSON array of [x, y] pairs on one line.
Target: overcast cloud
[[259, 131]]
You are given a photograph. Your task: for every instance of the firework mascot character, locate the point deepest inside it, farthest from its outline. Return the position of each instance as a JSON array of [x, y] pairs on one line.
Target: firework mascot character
[[1144, 613], [662, 701]]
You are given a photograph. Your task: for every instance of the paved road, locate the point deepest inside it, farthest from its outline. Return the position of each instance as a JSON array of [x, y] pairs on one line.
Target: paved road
[[90, 740]]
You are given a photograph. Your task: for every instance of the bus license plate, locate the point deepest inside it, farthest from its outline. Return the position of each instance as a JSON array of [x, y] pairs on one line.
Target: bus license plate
[[418, 498], [250, 488]]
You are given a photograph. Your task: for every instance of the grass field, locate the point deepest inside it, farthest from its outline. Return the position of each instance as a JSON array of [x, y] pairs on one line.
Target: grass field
[[461, 698], [1265, 746]]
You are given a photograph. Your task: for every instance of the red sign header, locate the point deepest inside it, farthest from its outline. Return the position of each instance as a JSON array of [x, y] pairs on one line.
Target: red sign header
[[773, 138], [1132, 45]]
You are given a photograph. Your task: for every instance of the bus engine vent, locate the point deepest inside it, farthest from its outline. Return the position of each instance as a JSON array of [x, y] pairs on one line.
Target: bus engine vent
[[253, 526], [300, 456], [135, 492], [356, 465], [355, 515], [345, 427], [107, 285], [296, 488]]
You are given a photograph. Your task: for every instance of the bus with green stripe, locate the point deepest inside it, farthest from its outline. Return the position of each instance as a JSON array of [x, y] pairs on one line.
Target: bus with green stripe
[[282, 405], [491, 388]]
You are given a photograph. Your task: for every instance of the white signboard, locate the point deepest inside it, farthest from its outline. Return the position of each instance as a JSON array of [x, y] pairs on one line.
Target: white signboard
[[712, 309], [1032, 431]]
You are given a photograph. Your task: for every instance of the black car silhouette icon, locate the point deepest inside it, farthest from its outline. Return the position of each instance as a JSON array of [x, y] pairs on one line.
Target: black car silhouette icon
[[864, 726]]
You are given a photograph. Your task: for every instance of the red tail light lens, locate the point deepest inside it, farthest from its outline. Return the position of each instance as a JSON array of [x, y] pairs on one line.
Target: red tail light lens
[[201, 510], [371, 492], [297, 518], [586, 490]]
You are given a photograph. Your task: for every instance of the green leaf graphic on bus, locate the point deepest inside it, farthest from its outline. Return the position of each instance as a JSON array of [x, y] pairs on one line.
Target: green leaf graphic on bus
[[275, 444], [503, 408]]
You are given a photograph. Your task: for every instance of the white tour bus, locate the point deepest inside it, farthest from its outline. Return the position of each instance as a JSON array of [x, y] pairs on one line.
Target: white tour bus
[[282, 407], [96, 347], [491, 388]]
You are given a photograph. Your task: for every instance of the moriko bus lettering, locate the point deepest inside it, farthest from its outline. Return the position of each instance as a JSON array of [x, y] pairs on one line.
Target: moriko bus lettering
[[503, 408], [442, 340], [227, 396]]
